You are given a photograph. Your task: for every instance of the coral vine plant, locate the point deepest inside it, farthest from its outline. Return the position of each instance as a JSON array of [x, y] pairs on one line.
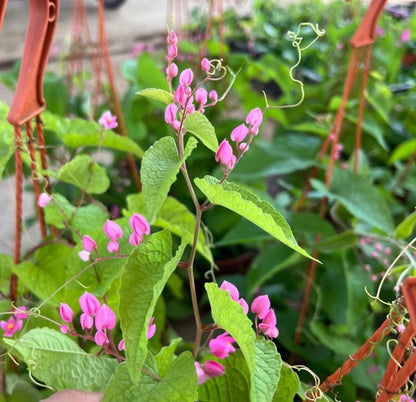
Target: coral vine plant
[[126, 263]]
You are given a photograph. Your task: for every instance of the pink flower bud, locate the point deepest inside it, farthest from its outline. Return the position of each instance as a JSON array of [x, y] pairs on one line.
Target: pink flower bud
[[64, 329], [172, 52], [231, 289], [190, 108], [105, 318], [201, 96], [225, 155], [400, 328], [108, 121], [84, 255], [86, 321], [244, 305], [88, 243], [205, 65], [121, 346], [261, 306], [44, 200], [268, 325], [112, 230], [243, 147], [213, 96], [89, 303], [151, 329], [239, 133], [113, 246], [135, 239], [139, 224], [172, 39], [222, 346], [405, 36], [66, 312], [213, 368], [171, 71], [20, 313], [100, 338], [180, 96], [254, 130], [254, 117], [170, 113], [202, 377], [186, 77]]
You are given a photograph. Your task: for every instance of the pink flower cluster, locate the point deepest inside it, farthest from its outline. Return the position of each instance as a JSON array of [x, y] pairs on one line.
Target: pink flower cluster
[[377, 252], [184, 95], [114, 232], [225, 154], [15, 322], [405, 398], [94, 313]]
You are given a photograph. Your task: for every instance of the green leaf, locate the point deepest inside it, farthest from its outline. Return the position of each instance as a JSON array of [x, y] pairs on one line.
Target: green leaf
[[18, 390], [149, 74], [58, 210], [165, 357], [160, 166], [245, 203], [89, 217], [360, 197], [405, 228], [201, 128], [55, 92], [122, 389], [86, 174], [6, 138], [59, 362], [261, 356], [403, 151], [342, 241], [233, 386], [177, 218], [145, 275], [49, 272], [180, 382], [6, 266], [157, 94], [107, 139], [288, 385]]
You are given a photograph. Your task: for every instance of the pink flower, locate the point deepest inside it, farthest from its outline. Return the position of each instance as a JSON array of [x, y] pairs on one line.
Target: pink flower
[[221, 346], [378, 247], [244, 305], [186, 77], [405, 398], [400, 328], [213, 368], [268, 325], [105, 318], [20, 313], [84, 255], [201, 96], [152, 329], [112, 230], [86, 321], [254, 117], [66, 312], [261, 306], [239, 133], [231, 289], [379, 31], [213, 96], [113, 246], [100, 338], [190, 108], [107, 120], [172, 39], [179, 97], [89, 303], [170, 113], [44, 200], [139, 224], [205, 65], [243, 147], [405, 36], [88, 244], [10, 326], [225, 155], [387, 250], [171, 71], [202, 377], [64, 328], [121, 346], [172, 52]]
